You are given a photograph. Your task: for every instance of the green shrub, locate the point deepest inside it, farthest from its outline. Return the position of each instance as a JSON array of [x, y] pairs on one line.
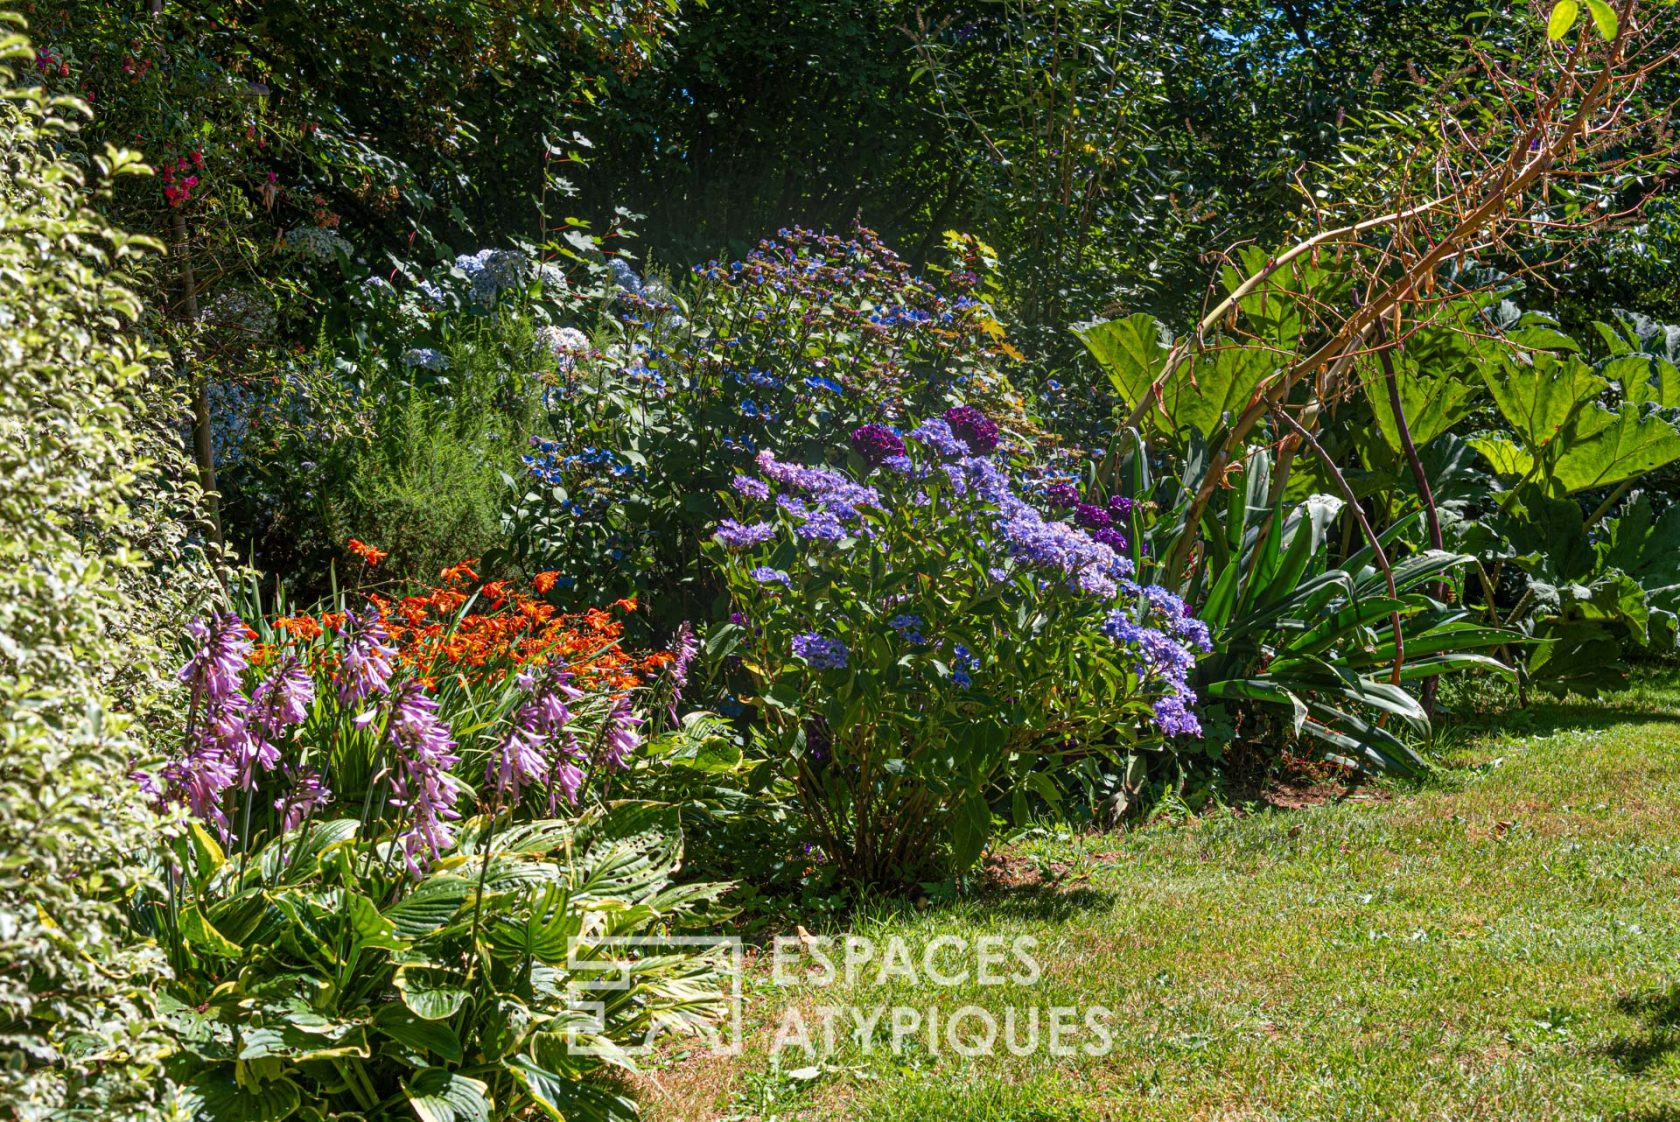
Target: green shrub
[[924, 643], [80, 619]]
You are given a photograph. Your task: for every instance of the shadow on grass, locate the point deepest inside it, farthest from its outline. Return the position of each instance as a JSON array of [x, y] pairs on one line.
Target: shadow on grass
[[1567, 715], [1659, 1012], [1046, 902]]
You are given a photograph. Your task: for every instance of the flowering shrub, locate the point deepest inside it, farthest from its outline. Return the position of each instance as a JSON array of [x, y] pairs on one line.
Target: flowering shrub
[[411, 709], [394, 865], [923, 638], [788, 350]]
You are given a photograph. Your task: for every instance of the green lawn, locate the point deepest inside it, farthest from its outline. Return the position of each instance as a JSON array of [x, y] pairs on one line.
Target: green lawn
[[1502, 943]]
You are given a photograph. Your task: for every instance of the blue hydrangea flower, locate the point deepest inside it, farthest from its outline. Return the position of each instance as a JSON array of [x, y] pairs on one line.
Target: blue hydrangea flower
[[821, 651]]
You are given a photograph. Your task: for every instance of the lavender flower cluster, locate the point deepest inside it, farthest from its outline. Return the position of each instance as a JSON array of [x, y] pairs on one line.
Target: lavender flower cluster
[[231, 736], [1082, 554]]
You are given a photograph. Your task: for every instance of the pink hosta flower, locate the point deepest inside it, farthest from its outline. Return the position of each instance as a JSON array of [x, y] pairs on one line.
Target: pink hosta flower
[[622, 737], [537, 746], [366, 668], [309, 792], [420, 779], [222, 749], [687, 647]]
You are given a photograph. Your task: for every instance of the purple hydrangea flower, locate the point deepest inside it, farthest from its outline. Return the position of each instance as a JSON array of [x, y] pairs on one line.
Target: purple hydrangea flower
[[750, 487], [909, 626], [1111, 537], [1173, 716], [821, 526], [821, 651], [876, 444], [1091, 517], [937, 434], [962, 666], [1061, 495], [973, 428], [736, 535]]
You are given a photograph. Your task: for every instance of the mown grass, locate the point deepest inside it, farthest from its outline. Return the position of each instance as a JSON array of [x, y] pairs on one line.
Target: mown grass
[[1500, 943]]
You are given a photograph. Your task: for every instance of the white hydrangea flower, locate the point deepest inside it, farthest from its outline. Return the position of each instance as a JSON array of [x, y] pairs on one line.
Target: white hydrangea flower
[[426, 358], [313, 241]]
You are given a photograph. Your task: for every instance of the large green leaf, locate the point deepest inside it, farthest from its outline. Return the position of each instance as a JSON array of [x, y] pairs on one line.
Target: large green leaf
[[970, 828], [1129, 351], [1646, 549], [1219, 381], [569, 1100], [216, 1096], [1434, 399], [1539, 393], [430, 992], [1612, 447], [369, 928], [437, 1095], [203, 937], [1580, 657], [429, 905], [1645, 379], [435, 1037], [1504, 456]]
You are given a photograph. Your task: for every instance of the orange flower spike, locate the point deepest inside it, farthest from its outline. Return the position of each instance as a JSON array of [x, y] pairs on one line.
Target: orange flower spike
[[544, 582]]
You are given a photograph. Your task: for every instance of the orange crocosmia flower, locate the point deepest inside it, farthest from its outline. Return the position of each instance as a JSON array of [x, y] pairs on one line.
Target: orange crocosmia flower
[[544, 582], [299, 627], [368, 553], [460, 572], [496, 591], [333, 621], [628, 603]]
